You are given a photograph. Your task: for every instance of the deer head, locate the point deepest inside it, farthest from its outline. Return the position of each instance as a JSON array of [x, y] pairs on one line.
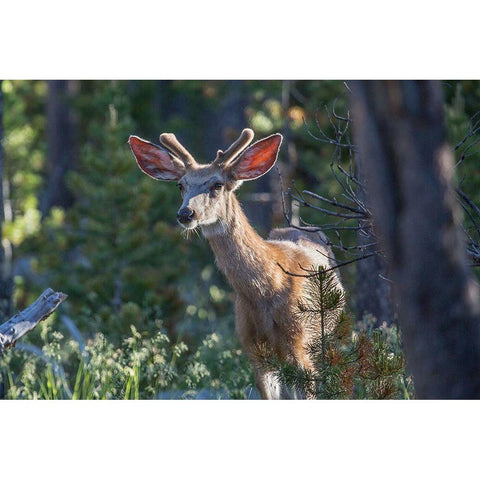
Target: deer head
[[206, 188]]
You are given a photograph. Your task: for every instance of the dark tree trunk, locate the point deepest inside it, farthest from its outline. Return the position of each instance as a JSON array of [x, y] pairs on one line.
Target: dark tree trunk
[[6, 281], [228, 123], [373, 292], [223, 124], [373, 288], [60, 145], [401, 138], [163, 101], [264, 207]]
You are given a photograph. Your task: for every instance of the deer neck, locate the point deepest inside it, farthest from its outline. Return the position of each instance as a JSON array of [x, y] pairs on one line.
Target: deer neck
[[241, 254]]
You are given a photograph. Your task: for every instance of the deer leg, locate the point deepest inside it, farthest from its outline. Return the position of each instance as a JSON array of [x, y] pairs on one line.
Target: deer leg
[[268, 385]]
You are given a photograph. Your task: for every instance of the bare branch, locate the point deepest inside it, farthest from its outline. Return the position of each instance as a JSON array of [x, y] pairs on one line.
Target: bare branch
[[474, 129], [325, 138], [333, 213], [334, 202], [342, 264], [468, 201]]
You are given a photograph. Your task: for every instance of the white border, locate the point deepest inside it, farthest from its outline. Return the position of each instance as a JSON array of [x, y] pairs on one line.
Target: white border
[[211, 39]]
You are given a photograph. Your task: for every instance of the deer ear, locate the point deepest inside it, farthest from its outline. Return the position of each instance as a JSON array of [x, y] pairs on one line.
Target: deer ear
[[257, 159], [156, 161]]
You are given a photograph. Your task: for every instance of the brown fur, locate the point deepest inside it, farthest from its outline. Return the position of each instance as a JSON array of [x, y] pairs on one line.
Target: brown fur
[[267, 297]]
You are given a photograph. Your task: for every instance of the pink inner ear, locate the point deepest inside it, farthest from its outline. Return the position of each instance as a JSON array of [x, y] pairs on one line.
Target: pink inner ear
[[155, 161], [258, 159]]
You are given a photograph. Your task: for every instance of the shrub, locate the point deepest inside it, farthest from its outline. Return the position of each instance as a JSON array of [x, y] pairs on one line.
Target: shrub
[[350, 361]]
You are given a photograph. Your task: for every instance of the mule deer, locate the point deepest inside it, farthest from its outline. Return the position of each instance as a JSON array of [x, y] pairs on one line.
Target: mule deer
[[266, 295]]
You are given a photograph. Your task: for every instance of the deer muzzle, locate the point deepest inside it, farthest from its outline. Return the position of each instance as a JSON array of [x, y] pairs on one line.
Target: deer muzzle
[[185, 215]]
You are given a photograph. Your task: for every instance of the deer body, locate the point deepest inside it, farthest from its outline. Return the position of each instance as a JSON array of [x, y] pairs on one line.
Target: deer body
[[266, 296]]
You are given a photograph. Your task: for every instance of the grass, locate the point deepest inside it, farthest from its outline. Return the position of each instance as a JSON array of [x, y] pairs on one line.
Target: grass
[[142, 367]]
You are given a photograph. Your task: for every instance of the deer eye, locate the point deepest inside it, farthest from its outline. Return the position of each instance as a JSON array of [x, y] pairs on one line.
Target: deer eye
[[217, 186], [180, 186]]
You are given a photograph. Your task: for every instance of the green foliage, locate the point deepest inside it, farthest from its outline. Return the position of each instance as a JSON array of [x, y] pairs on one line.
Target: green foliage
[[24, 145], [120, 257], [142, 367], [350, 361], [113, 251], [145, 300]]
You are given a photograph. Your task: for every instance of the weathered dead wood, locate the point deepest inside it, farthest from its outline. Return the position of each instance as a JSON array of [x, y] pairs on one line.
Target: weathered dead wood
[[26, 320]]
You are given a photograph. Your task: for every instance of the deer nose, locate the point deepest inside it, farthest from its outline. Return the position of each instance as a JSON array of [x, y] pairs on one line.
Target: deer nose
[[185, 215]]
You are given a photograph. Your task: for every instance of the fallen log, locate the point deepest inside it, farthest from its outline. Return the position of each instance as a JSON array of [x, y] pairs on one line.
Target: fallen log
[[26, 320]]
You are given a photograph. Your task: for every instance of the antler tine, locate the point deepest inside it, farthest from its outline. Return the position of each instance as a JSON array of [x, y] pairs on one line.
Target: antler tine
[[170, 141], [224, 158]]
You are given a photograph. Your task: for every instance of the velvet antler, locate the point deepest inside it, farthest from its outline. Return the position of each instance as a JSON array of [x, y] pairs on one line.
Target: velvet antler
[[224, 159], [170, 141]]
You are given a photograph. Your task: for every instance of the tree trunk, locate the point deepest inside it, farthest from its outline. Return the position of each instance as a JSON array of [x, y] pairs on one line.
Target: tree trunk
[[401, 139], [373, 293], [373, 288], [60, 145], [231, 120]]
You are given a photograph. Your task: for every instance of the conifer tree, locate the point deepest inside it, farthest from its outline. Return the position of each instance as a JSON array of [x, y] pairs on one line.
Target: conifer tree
[[348, 363], [114, 251]]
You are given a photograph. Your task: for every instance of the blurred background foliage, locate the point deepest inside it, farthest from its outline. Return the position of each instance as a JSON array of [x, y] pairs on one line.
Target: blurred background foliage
[[148, 315]]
